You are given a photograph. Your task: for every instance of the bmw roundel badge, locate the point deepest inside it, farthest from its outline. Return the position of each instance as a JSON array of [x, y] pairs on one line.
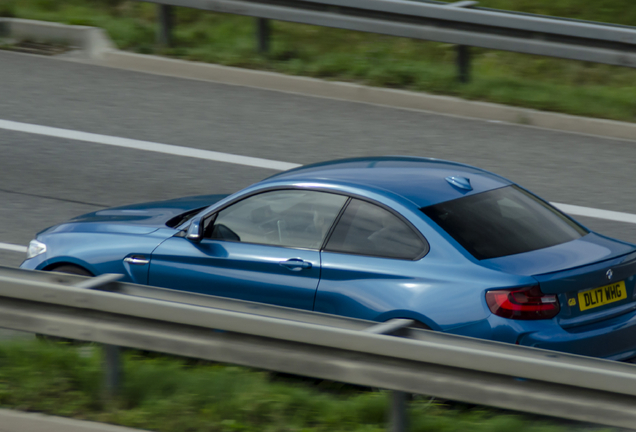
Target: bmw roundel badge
[[609, 274]]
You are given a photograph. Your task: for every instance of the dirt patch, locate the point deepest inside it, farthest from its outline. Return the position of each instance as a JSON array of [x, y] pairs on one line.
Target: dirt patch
[[35, 48]]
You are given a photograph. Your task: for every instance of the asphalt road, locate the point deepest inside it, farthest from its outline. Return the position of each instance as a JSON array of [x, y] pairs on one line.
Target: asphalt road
[[47, 180]]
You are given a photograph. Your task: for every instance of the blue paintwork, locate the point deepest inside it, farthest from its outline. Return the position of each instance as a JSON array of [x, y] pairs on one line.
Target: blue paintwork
[[100, 241], [420, 180], [460, 182], [580, 252], [239, 270], [444, 290]]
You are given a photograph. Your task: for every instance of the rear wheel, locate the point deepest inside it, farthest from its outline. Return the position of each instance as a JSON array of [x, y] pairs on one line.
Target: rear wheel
[[420, 325]]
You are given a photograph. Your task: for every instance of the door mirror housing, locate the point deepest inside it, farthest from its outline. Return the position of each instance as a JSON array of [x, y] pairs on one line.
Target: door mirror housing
[[195, 230]]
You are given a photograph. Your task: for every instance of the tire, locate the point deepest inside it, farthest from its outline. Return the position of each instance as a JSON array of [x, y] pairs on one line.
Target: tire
[[72, 269], [420, 325]]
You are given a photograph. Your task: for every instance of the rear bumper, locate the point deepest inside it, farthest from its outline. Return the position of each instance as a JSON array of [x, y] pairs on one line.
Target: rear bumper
[[613, 339]]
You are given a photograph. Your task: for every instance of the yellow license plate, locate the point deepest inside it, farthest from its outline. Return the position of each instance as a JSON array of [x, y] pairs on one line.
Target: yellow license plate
[[603, 295]]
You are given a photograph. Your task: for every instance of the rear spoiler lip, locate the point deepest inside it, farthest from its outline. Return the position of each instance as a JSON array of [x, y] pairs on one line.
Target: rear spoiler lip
[[616, 261]]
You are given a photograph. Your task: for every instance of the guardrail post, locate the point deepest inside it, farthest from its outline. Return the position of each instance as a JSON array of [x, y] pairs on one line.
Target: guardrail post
[[262, 35], [164, 25], [463, 52], [112, 370], [399, 419], [463, 63], [4, 28]]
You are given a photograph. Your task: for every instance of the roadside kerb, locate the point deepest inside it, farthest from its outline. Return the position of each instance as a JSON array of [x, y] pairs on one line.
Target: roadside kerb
[[365, 94], [90, 41], [99, 50], [15, 421]]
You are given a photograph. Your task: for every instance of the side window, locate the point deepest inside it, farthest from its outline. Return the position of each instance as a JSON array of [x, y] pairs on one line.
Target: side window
[[290, 218], [367, 229]]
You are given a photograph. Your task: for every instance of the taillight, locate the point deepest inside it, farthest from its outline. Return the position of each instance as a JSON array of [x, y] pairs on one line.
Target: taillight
[[527, 303]]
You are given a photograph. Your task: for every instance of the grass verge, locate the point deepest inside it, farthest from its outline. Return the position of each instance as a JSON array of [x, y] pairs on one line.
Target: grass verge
[[174, 395], [542, 83]]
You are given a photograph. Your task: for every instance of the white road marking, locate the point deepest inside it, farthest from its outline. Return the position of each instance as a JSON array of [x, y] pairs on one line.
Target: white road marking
[[596, 213], [13, 247], [233, 159], [146, 146]]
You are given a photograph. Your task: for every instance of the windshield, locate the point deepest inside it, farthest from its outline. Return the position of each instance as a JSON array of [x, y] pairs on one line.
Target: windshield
[[503, 222]]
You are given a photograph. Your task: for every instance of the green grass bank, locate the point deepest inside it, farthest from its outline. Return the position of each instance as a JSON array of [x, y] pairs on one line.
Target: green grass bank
[[542, 83], [168, 394]]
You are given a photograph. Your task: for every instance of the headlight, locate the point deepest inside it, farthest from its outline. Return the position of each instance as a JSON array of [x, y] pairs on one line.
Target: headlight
[[35, 248]]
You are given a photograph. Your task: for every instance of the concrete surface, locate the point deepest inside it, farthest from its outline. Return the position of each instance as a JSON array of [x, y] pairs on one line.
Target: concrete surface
[[95, 47], [15, 421]]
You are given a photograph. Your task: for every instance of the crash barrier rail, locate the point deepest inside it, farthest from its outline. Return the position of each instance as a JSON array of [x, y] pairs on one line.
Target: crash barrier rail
[[318, 345], [459, 23]]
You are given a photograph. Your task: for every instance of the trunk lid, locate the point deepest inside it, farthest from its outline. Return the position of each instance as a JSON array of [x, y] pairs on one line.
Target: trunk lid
[[593, 277], [587, 250], [594, 292]]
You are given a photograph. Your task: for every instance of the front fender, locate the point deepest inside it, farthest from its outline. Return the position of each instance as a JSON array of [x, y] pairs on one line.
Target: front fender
[[99, 253]]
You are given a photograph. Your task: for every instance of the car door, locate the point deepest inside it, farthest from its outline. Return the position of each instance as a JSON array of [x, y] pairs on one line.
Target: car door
[[263, 248]]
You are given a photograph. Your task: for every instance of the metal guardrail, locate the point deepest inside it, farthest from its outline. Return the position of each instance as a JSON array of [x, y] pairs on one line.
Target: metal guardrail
[[319, 345], [457, 23]]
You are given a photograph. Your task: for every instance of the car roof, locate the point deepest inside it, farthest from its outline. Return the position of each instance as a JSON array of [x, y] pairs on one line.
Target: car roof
[[420, 180]]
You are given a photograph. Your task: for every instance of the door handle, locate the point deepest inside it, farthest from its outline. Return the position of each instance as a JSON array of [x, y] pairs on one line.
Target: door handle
[[136, 260], [296, 264]]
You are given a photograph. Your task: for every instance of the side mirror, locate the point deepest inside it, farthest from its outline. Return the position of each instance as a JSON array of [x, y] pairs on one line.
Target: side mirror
[[195, 230]]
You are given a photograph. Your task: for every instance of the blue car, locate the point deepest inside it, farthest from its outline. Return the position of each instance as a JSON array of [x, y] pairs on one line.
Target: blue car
[[453, 247]]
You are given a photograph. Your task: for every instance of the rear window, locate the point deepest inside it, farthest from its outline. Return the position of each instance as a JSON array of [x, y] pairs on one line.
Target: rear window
[[503, 222]]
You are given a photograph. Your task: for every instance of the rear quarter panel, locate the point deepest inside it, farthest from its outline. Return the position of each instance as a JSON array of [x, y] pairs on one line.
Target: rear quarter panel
[[441, 294]]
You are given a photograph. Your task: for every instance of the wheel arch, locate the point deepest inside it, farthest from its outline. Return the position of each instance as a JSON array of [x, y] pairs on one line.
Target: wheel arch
[[69, 263], [420, 320]]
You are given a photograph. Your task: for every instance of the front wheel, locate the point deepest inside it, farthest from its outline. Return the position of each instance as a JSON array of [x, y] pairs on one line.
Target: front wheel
[[72, 269]]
